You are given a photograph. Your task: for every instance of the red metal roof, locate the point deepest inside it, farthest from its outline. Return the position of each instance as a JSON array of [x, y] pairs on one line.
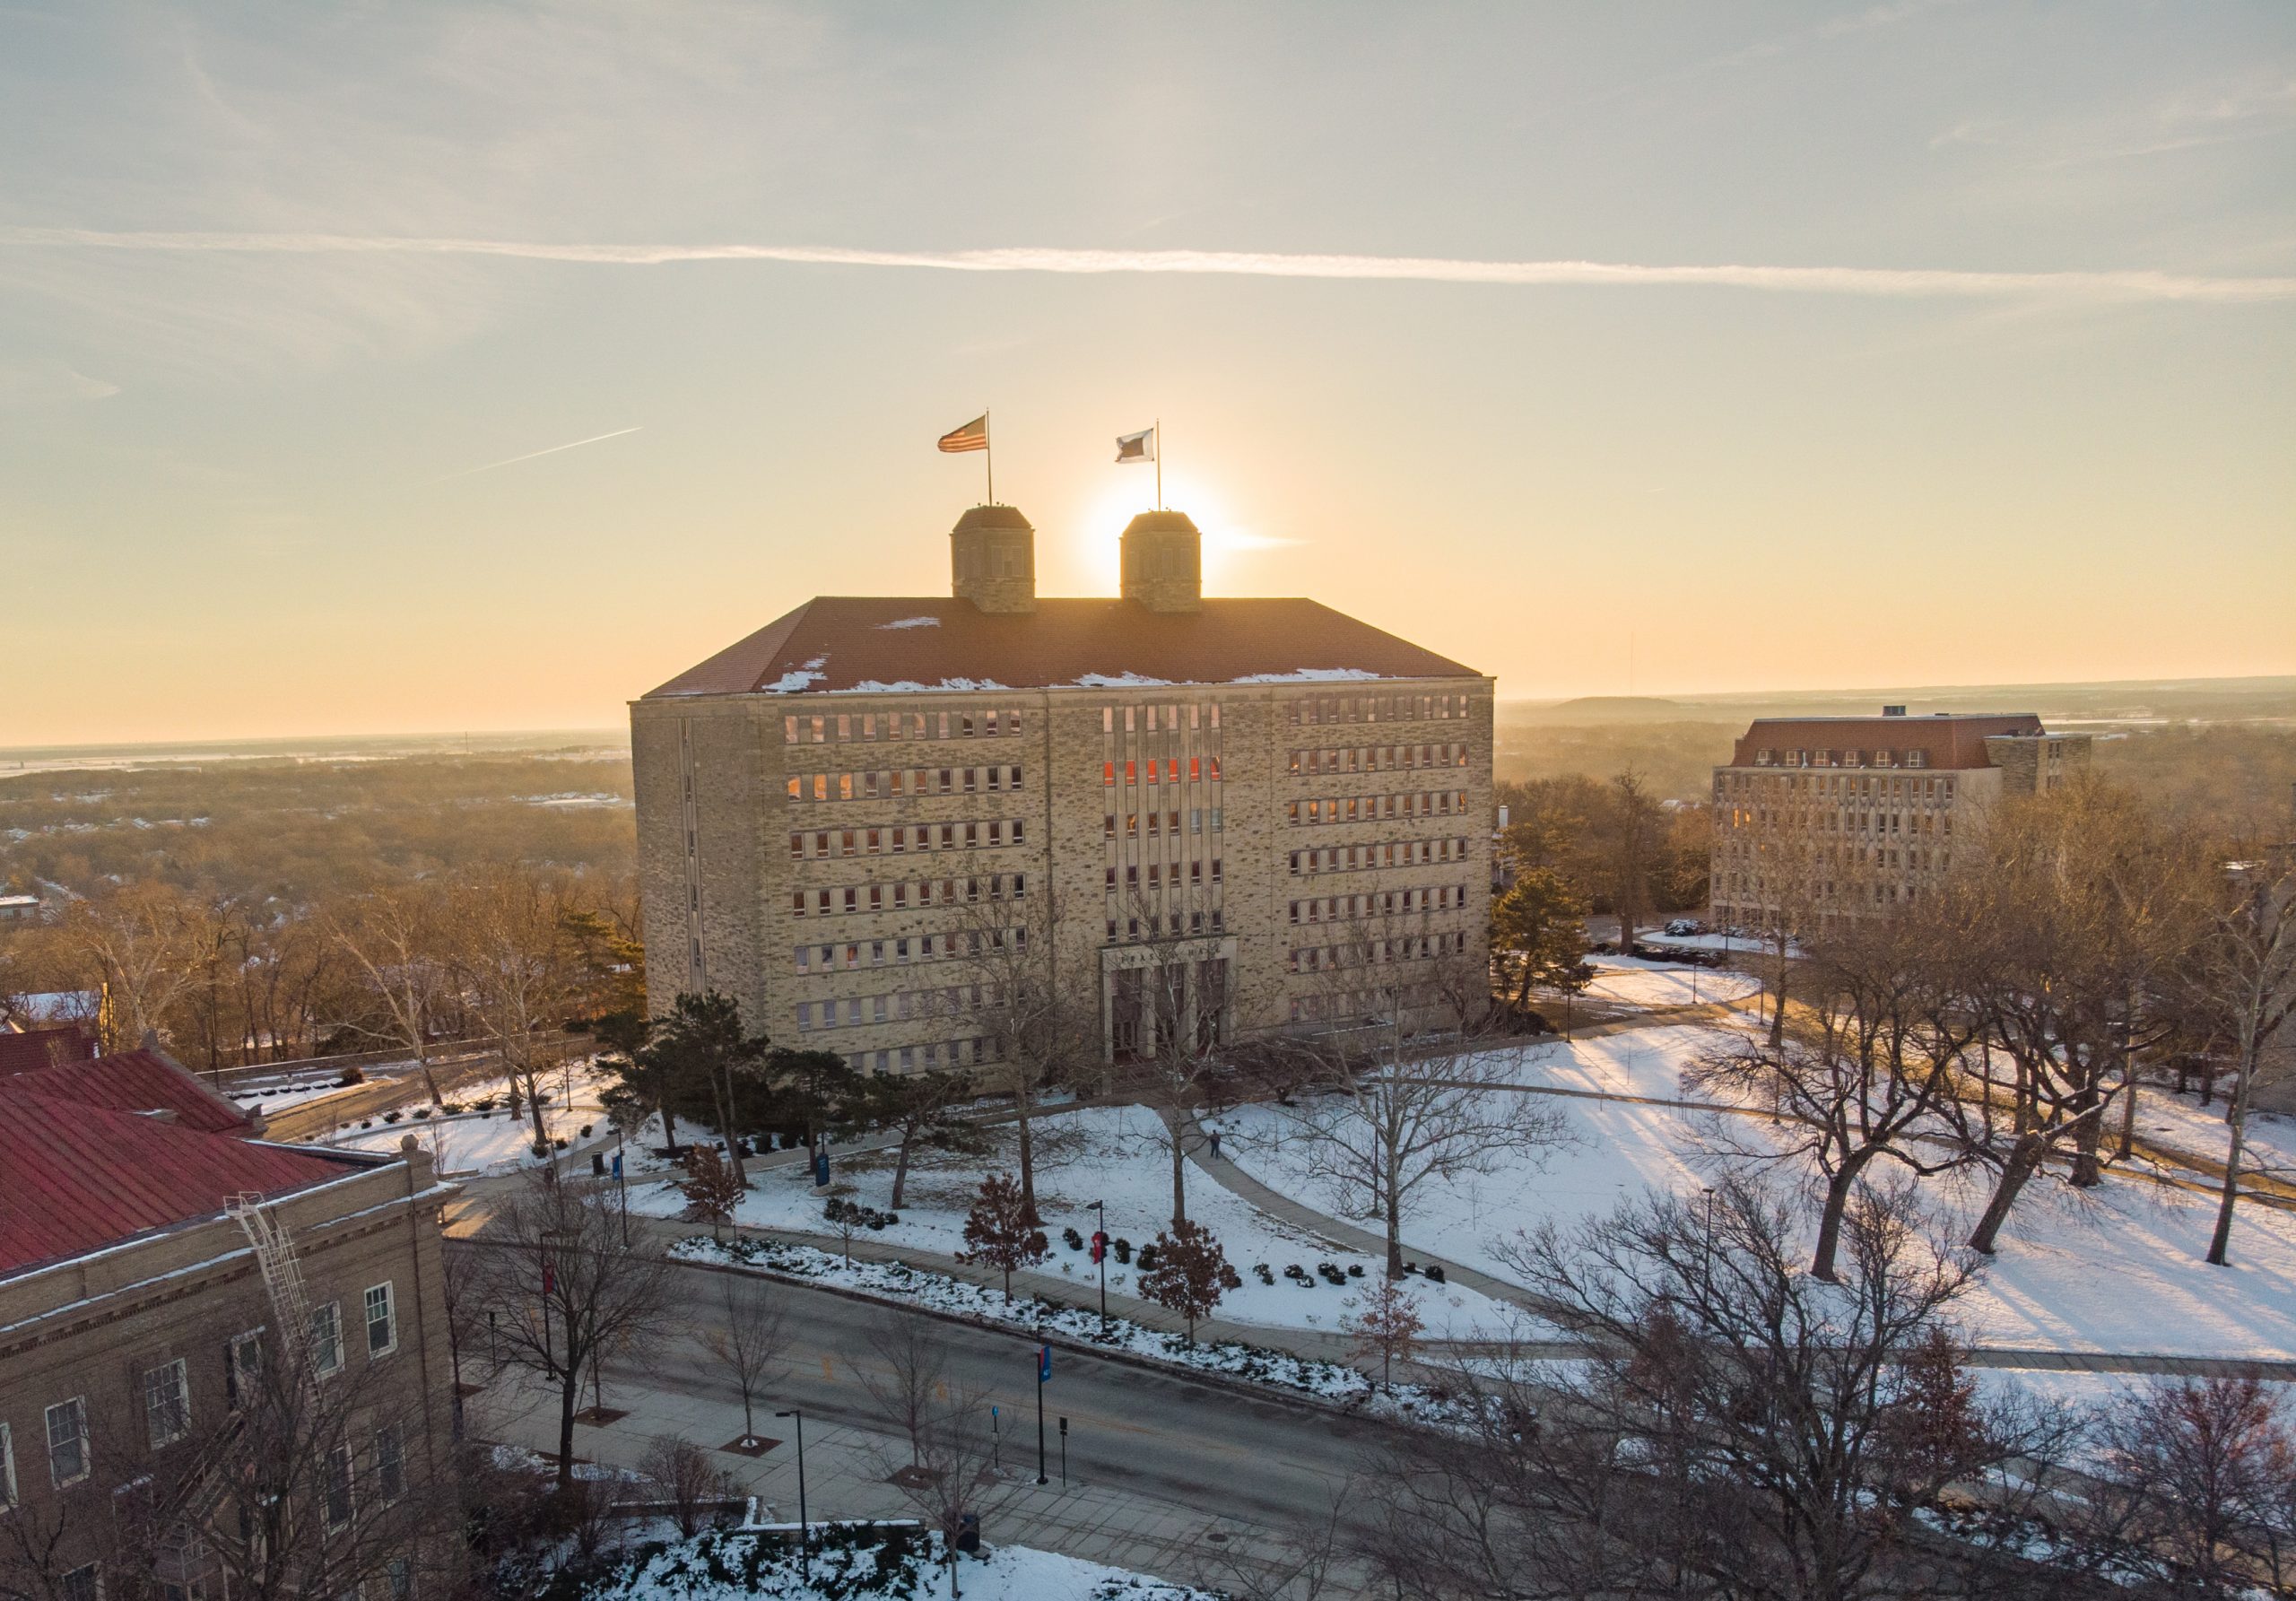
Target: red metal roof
[[896, 645], [137, 1081], [1954, 740], [75, 1179], [42, 1048]]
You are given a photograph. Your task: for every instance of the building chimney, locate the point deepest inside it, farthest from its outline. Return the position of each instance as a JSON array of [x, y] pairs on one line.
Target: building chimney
[[992, 560], [1163, 561]]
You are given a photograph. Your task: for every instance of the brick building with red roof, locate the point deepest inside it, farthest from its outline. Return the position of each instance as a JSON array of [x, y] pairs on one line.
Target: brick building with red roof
[[1233, 815], [1817, 819], [136, 1325]]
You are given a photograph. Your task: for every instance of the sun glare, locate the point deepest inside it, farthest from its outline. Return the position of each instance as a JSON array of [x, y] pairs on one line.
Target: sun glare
[[1135, 493]]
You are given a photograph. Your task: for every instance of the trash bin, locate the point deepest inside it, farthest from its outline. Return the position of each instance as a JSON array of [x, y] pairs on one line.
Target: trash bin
[[597, 1164], [968, 1532]]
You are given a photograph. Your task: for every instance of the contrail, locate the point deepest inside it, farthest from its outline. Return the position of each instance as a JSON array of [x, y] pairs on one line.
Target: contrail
[[1893, 282], [529, 456]]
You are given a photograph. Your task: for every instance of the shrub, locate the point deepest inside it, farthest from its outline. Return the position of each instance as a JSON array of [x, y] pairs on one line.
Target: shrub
[[1123, 1249], [1071, 1239], [393, 1116], [585, 1131], [422, 1114], [539, 1148], [558, 1145], [1266, 1273]]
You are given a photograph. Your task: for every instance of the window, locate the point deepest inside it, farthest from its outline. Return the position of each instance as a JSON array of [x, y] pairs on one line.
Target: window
[[80, 1584], [382, 1322], [400, 1573], [7, 1469], [327, 1338], [337, 1489], [390, 1464], [167, 1403], [67, 1441]]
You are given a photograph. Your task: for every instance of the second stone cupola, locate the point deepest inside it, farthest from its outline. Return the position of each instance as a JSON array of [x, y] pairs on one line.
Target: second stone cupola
[[992, 560], [1163, 561]]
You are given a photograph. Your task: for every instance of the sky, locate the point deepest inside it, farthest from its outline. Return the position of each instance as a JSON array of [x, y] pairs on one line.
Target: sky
[[377, 368]]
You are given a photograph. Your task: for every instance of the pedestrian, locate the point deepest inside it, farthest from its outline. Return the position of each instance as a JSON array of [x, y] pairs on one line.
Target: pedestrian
[[1215, 1145]]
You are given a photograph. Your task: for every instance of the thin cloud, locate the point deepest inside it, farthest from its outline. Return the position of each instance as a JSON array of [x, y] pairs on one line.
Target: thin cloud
[[514, 460], [1917, 283]]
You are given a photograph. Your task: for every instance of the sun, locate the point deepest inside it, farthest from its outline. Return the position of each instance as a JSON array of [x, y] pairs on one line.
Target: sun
[[1134, 492]]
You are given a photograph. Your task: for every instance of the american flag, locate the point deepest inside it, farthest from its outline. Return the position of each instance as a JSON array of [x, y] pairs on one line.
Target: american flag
[[972, 435]]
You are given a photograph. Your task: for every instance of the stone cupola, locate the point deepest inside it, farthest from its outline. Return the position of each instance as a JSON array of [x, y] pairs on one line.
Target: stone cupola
[[1163, 561], [992, 560]]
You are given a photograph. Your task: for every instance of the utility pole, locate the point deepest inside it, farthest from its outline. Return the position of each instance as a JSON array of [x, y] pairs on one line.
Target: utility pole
[[805, 1523], [1044, 1372]]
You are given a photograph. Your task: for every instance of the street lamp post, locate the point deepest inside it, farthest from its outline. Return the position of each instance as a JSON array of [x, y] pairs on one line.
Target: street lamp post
[[805, 1524], [622, 1177], [1101, 1208], [1044, 1372]]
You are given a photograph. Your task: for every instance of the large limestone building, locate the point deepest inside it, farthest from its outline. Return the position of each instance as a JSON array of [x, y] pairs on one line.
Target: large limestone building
[[1276, 810], [1817, 819]]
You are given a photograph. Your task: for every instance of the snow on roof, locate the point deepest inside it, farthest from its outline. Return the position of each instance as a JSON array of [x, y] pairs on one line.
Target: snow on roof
[[849, 645]]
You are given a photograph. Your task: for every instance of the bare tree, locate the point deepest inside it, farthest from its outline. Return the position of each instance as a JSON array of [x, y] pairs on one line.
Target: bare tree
[[1875, 1071], [148, 945], [1394, 1108], [1725, 1425], [2196, 1483], [1388, 1326], [1173, 1021], [750, 1339], [2077, 903], [1633, 824], [911, 1374], [694, 1484], [2245, 969], [397, 936], [952, 1477], [514, 962], [564, 1289], [1024, 971]]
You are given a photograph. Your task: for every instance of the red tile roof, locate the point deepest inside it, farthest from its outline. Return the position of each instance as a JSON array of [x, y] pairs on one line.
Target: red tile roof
[[44, 1047], [842, 643], [75, 1179], [1948, 740], [137, 1081]]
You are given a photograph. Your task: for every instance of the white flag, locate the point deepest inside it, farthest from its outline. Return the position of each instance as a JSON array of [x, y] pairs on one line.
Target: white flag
[[1136, 446]]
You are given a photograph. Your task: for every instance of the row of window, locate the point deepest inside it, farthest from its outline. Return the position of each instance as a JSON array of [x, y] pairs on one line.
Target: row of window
[[1379, 709], [1395, 853], [1840, 757], [1140, 926], [1199, 769], [1366, 952], [904, 951], [1340, 909], [1842, 785], [1169, 877], [1379, 759], [164, 1390], [1162, 823], [853, 1010], [1354, 1006], [818, 843], [1201, 714], [895, 783], [1378, 808], [927, 1058], [907, 892], [841, 728]]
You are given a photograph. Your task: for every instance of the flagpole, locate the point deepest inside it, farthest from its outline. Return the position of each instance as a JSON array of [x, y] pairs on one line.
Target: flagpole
[[989, 454], [1160, 464]]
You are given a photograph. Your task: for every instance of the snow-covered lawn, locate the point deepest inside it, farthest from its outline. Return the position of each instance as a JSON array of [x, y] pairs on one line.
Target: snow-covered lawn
[[1110, 1154], [851, 1565], [2116, 1269], [493, 1141], [2181, 1123], [1632, 981]]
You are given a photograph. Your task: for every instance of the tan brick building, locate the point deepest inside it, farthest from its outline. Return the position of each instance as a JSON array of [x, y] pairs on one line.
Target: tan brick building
[[1820, 818], [1265, 790], [135, 1324]]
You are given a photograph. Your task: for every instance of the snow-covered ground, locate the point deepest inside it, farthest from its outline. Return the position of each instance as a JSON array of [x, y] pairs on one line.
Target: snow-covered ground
[[733, 1564], [1634, 982], [2116, 1269], [899, 1282], [273, 1102], [1110, 1154], [491, 1142], [2181, 1123]]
